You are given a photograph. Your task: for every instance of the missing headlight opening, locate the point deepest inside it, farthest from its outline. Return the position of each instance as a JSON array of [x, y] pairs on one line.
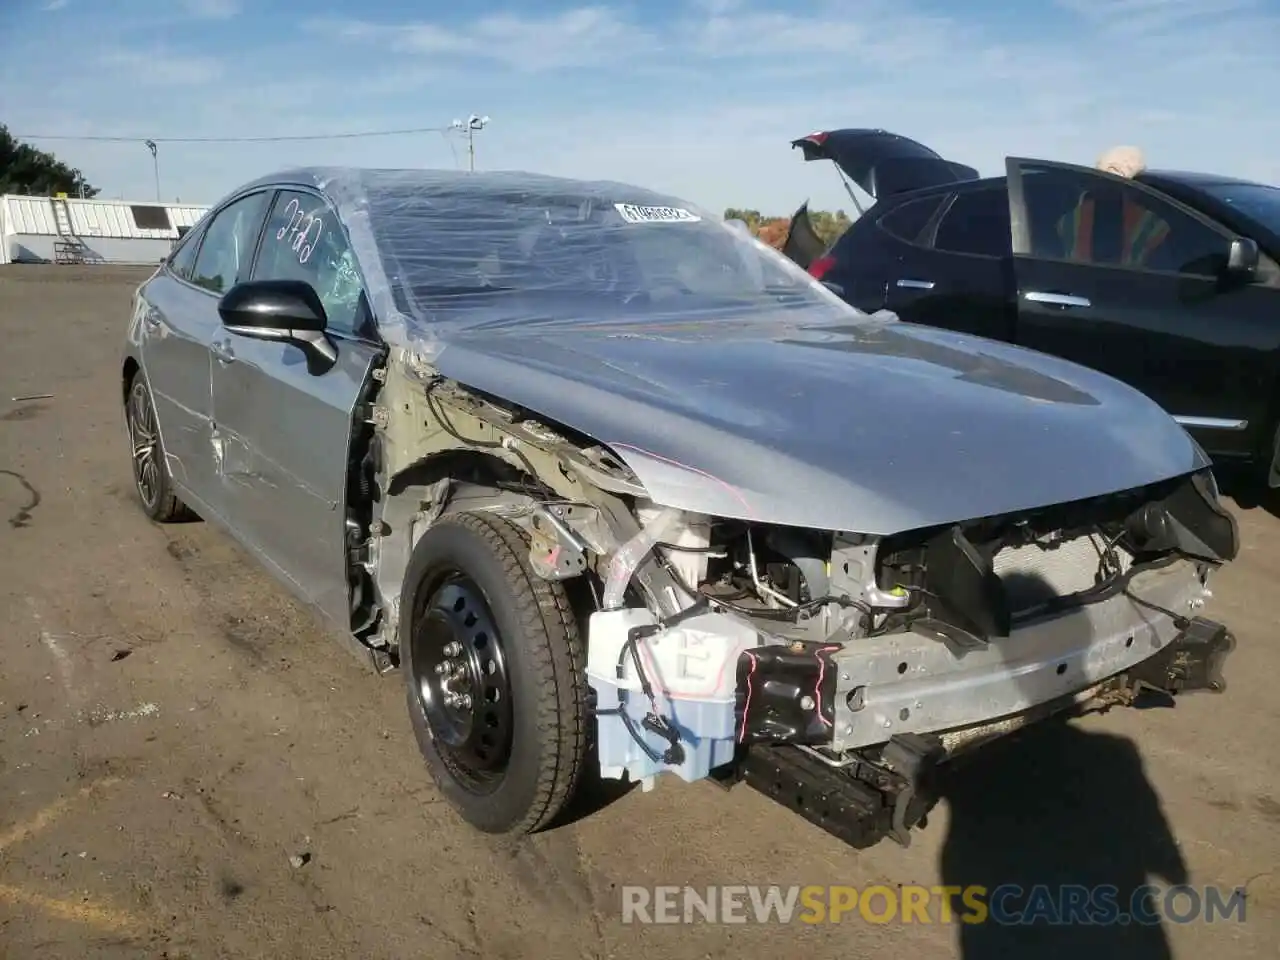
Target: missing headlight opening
[[828, 662]]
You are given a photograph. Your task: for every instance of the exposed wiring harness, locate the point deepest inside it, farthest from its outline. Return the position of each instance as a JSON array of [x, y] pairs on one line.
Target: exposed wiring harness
[[790, 614], [447, 425], [1107, 559]]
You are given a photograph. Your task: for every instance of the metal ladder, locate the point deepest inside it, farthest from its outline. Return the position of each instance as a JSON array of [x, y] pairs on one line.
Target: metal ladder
[[67, 248]]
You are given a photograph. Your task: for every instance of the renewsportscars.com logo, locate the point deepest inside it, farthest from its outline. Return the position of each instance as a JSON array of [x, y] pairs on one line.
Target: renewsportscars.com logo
[[1008, 904]]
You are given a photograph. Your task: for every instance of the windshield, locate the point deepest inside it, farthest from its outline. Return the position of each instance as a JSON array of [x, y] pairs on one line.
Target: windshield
[[598, 255], [1254, 200]]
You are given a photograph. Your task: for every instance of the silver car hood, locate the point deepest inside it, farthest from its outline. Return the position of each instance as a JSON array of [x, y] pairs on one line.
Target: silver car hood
[[872, 426]]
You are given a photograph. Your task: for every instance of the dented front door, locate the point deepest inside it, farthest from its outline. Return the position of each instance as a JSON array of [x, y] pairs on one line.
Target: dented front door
[[285, 426]]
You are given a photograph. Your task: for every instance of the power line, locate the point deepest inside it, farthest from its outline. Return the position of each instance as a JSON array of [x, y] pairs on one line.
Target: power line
[[280, 139]]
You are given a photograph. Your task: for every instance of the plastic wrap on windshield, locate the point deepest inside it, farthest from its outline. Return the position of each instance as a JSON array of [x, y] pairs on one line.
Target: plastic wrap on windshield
[[446, 253]]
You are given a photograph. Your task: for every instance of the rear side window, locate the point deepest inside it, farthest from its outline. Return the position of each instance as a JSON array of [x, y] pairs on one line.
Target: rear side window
[[908, 221], [226, 255], [185, 256], [977, 223]]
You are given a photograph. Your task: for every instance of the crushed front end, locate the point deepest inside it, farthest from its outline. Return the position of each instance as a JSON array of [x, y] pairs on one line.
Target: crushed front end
[[836, 672]]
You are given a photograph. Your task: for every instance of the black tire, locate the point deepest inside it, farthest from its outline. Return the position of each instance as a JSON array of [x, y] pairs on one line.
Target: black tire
[[151, 480], [469, 576]]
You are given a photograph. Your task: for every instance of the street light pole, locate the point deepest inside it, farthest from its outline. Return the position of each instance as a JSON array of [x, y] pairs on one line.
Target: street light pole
[[472, 124], [155, 162]]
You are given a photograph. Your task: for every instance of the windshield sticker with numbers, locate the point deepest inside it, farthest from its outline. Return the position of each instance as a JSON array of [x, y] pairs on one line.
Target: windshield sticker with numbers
[[633, 213]]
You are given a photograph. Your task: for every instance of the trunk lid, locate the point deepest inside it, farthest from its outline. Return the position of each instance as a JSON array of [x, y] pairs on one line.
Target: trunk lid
[[883, 163]]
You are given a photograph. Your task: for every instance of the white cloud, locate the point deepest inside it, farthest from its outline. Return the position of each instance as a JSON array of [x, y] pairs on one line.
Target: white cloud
[[159, 67], [1151, 18], [51, 5], [577, 37], [212, 9]]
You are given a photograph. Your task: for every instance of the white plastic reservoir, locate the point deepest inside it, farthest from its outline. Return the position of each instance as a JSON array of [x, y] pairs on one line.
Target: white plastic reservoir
[[692, 668]]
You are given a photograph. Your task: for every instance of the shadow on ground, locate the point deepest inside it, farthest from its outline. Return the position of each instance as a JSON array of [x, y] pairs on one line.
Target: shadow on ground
[[593, 795], [1055, 807]]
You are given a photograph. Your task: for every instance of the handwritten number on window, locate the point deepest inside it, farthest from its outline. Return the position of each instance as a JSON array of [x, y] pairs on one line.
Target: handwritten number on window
[[299, 230]]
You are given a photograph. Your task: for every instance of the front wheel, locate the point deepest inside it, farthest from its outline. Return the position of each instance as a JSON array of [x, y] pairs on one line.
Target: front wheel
[[495, 671]]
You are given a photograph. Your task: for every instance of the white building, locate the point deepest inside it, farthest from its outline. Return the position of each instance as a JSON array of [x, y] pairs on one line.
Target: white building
[[70, 230]]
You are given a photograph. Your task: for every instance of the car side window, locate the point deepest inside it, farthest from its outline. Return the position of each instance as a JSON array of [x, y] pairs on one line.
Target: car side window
[[184, 258], [305, 241], [1084, 218], [226, 255], [977, 222], [908, 221]]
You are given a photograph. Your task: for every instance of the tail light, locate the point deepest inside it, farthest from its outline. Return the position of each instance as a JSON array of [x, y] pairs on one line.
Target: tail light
[[818, 269]]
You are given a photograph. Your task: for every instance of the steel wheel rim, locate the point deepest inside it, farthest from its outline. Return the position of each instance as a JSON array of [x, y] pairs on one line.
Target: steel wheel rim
[[144, 440], [461, 680]]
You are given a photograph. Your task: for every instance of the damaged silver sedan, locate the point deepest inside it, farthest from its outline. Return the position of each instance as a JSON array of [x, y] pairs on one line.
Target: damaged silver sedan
[[617, 489]]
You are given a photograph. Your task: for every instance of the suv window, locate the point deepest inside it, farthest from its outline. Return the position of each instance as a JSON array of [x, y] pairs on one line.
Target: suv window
[[908, 221], [1086, 218], [977, 222], [304, 241], [226, 255]]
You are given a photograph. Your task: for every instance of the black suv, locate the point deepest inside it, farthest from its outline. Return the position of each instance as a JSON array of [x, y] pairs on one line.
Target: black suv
[[1168, 281]]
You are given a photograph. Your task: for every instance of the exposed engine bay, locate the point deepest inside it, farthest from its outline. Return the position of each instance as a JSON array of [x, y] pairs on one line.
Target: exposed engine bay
[[810, 660]]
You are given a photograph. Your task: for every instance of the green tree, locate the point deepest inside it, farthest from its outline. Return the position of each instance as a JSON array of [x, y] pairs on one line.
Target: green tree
[[829, 226], [751, 218], [24, 169]]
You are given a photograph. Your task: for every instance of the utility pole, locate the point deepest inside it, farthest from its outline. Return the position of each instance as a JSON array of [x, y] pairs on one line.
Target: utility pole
[[472, 124], [155, 162]]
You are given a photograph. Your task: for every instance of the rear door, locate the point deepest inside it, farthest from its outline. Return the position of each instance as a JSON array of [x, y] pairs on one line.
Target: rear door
[[1118, 277], [289, 429], [952, 264], [179, 325]]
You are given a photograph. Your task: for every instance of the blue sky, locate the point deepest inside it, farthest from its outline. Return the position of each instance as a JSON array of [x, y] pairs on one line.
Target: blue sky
[[697, 97]]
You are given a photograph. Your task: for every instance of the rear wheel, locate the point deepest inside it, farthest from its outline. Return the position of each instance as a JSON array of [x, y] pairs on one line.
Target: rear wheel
[[150, 468], [495, 671]]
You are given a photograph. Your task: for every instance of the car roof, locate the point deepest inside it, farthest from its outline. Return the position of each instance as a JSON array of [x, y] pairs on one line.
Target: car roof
[[348, 183], [1187, 179], [1195, 179]]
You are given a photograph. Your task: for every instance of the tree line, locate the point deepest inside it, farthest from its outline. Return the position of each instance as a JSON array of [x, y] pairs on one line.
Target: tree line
[[37, 173], [773, 230]]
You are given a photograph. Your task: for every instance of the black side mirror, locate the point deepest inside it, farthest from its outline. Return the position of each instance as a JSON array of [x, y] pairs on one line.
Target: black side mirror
[[1242, 259], [288, 311]]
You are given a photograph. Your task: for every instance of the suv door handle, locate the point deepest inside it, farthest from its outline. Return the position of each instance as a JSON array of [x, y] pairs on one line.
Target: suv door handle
[[909, 284], [222, 350], [1057, 299]]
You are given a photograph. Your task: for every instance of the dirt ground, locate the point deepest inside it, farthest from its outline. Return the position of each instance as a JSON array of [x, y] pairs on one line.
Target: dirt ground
[[173, 730]]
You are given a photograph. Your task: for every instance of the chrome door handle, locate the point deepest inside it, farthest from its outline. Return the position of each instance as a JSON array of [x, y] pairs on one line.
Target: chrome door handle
[[909, 284], [222, 350], [1057, 299]]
